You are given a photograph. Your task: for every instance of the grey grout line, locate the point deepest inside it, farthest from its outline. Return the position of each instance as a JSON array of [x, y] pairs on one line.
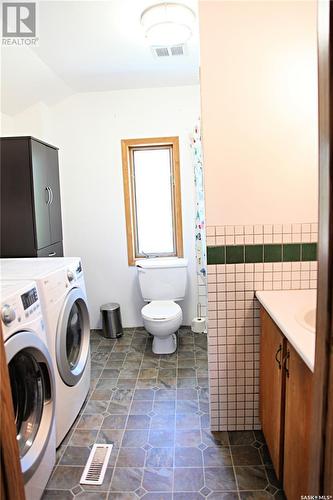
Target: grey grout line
[[128, 413], [72, 430], [175, 425], [191, 346], [100, 428], [263, 464], [145, 451], [234, 469]]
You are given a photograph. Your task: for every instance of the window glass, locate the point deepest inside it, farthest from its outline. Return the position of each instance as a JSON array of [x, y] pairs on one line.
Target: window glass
[[152, 195], [153, 186]]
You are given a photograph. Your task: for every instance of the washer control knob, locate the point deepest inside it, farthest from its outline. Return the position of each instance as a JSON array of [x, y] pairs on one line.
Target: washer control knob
[[7, 314], [70, 275]]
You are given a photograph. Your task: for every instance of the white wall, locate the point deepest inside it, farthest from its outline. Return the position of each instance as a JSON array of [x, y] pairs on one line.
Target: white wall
[[259, 111], [32, 121], [88, 129], [5, 123]]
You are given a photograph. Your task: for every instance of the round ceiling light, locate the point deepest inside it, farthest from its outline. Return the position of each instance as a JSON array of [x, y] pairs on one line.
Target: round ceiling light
[[168, 24]]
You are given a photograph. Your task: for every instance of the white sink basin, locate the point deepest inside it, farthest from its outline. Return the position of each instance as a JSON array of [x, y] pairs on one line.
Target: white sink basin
[[307, 318]]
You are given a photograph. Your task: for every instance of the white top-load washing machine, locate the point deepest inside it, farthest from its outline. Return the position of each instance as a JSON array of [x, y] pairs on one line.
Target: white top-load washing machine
[[61, 286], [31, 380]]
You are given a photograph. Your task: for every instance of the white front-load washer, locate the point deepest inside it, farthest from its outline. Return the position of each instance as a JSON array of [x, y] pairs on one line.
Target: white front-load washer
[[32, 382], [61, 286]]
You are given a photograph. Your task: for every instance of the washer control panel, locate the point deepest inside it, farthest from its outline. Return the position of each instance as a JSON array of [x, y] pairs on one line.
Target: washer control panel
[[29, 298], [18, 304]]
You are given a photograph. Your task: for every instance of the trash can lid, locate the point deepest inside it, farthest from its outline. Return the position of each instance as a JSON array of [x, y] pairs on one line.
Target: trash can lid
[[110, 306]]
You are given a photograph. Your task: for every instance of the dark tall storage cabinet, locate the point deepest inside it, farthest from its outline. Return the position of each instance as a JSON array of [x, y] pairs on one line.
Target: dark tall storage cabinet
[[30, 199]]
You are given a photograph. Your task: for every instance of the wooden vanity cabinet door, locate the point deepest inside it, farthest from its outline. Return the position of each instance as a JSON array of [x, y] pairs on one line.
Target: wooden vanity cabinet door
[[297, 426], [272, 387]]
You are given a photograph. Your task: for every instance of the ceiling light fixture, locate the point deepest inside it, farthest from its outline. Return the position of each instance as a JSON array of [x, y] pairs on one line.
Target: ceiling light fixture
[[168, 24]]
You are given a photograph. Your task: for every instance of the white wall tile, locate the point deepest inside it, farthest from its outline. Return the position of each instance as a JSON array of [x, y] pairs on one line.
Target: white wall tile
[[211, 240], [258, 239], [296, 228], [234, 322], [230, 240], [306, 228], [220, 230], [230, 230]]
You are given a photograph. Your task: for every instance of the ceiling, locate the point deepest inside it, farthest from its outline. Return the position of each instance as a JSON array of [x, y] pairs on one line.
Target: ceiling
[[89, 46]]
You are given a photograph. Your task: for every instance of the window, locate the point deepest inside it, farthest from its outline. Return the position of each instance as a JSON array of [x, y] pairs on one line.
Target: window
[[152, 197]]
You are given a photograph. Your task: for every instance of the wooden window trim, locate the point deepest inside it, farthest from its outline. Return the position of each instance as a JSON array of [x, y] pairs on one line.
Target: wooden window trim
[[126, 145]]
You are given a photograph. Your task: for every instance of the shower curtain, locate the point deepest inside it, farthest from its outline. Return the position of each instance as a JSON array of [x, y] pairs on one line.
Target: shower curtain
[[200, 234]]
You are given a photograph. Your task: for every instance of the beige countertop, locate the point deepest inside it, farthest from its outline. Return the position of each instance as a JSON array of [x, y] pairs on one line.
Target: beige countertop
[[286, 307]]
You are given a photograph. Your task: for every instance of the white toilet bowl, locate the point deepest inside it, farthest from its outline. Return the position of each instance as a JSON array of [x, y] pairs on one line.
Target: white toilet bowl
[[162, 318]]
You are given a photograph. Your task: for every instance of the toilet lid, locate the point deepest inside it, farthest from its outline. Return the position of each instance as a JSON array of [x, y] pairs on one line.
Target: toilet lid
[[161, 309]]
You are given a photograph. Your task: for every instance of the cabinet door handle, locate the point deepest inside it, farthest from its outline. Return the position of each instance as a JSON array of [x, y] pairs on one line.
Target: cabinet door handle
[[278, 359], [52, 254], [285, 363], [47, 192], [51, 195]]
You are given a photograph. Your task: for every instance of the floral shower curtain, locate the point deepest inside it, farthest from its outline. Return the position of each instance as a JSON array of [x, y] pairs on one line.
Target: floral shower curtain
[[200, 235]]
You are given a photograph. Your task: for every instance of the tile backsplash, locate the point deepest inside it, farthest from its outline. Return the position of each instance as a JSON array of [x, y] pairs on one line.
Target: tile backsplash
[[241, 260]]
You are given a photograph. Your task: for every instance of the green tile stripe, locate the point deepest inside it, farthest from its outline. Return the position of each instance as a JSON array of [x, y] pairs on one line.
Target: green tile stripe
[[240, 254]]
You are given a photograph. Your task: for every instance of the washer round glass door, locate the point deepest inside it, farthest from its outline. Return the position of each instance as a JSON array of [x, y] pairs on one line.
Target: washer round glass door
[[73, 335], [26, 380], [32, 385]]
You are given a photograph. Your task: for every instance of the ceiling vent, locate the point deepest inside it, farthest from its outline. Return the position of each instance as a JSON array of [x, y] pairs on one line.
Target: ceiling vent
[[173, 51]]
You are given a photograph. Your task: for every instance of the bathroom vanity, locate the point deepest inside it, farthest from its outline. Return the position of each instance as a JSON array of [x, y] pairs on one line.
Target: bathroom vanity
[[286, 372]]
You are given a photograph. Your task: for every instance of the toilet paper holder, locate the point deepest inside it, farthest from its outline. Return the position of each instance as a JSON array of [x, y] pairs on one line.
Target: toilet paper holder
[[198, 323]]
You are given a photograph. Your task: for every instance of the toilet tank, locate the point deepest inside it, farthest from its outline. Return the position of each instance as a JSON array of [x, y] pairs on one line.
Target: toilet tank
[[162, 278]]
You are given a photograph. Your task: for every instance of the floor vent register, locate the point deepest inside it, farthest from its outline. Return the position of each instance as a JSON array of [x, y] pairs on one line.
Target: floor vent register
[[96, 465]]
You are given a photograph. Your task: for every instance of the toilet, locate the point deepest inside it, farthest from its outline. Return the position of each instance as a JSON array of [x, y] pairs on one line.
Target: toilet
[[163, 283]]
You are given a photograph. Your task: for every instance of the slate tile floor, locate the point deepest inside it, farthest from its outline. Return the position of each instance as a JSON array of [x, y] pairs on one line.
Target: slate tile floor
[[155, 411]]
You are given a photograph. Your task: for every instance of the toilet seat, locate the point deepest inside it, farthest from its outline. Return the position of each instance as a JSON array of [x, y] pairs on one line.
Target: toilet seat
[[161, 310]]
